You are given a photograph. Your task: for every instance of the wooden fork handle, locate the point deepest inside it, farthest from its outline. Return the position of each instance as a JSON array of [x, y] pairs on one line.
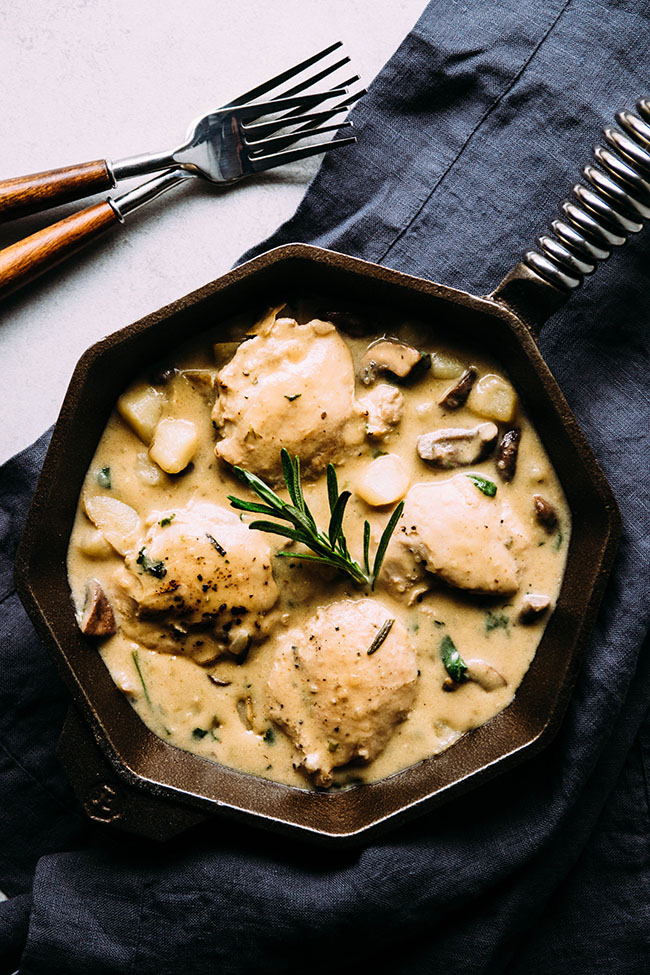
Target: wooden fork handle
[[40, 191], [26, 259]]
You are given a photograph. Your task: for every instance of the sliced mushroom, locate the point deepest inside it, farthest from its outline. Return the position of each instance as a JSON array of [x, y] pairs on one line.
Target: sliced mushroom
[[484, 675], [246, 712], [394, 358], [545, 513], [456, 395], [506, 460], [97, 618], [533, 607], [457, 447], [204, 379]]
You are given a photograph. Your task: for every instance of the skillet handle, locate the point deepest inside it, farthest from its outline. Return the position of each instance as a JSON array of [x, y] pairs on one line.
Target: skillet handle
[[611, 205]]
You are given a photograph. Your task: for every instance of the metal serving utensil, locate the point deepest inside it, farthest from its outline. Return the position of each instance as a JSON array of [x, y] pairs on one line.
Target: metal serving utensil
[[222, 147]]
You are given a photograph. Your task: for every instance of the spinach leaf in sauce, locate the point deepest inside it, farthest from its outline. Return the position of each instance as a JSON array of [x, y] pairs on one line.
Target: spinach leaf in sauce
[[452, 660], [153, 566], [484, 484], [104, 478]]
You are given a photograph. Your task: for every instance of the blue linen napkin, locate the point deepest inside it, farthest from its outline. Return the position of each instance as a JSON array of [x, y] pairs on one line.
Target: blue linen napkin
[[468, 140]]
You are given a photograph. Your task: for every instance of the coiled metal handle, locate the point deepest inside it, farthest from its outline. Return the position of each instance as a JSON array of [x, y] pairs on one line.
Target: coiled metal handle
[[606, 210]]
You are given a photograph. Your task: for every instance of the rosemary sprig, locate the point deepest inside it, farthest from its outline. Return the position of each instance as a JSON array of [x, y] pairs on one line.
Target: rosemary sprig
[[329, 548]]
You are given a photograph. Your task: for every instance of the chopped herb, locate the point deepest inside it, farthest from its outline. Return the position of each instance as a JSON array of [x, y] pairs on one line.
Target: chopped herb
[[559, 538], [215, 544], [269, 736], [136, 661], [152, 566], [380, 636], [379, 453], [292, 398], [483, 484], [452, 660], [167, 520], [496, 621], [330, 547], [199, 733], [104, 478], [332, 746]]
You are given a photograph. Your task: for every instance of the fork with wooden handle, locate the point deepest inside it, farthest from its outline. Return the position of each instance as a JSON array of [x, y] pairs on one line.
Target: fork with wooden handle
[[222, 147]]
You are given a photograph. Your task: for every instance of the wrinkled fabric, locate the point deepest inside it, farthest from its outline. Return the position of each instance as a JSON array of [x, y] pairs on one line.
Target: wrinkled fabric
[[467, 142]]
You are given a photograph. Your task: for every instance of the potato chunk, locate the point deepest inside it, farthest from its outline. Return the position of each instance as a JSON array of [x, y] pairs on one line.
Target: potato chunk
[[141, 408], [119, 523], [383, 481], [493, 398], [174, 444]]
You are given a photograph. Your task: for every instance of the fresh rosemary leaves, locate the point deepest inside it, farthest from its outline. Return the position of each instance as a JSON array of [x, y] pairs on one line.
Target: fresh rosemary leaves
[[329, 548]]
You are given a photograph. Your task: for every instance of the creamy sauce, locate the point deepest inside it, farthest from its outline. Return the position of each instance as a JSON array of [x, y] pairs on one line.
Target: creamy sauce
[[211, 704]]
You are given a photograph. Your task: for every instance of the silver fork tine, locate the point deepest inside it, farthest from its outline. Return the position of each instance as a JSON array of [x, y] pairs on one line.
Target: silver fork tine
[[284, 76], [259, 163], [341, 107], [314, 79], [265, 146], [260, 130], [289, 117], [306, 129], [257, 109]]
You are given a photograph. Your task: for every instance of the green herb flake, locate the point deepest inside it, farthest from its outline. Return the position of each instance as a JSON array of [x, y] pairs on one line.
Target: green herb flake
[[496, 621], [559, 538], [379, 453], [167, 520], [269, 736], [332, 746], [136, 661], [380, 636], [104, 478], [452, 660], [292, 398], [199, 733], [152, 566], [488, 487]]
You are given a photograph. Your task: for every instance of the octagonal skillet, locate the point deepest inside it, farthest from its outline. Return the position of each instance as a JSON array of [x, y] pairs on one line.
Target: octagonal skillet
[[120, 770]]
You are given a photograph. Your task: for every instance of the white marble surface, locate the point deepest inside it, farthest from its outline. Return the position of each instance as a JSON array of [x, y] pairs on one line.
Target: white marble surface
[[83, 79]]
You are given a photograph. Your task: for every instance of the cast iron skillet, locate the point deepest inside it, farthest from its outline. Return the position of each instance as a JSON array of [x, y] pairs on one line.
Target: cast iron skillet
[[122, 772]]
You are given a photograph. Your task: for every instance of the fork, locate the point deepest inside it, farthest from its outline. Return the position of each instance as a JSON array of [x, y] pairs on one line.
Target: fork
[[223, 147]]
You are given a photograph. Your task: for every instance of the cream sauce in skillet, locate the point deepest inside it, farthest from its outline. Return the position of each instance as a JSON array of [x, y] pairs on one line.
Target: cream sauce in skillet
[[464, 569]]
